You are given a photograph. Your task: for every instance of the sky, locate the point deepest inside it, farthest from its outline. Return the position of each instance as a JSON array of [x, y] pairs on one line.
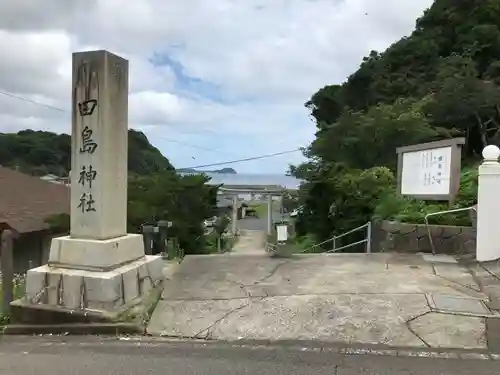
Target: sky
[[210, 80]]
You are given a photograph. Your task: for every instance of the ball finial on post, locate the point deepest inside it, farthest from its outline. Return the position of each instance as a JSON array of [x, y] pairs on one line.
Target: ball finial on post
[[491, 153]]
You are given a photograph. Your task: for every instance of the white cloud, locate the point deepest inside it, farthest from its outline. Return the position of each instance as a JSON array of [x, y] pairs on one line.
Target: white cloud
[[155, 108], [261, 59]]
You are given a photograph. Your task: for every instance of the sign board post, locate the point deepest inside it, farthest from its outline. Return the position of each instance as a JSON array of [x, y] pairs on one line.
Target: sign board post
[[282, 232], [430, 171]]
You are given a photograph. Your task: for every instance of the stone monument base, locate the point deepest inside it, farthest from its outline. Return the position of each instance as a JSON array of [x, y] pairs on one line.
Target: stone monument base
[[95, 255], [104, 294]]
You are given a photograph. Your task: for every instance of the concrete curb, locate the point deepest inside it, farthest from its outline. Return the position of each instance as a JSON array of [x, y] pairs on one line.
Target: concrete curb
[[74, 329], [333, 347], [156, 343]]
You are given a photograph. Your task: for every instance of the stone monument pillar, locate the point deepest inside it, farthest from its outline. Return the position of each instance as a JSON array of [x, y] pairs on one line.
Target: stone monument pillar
[[488, 206], [98, 266]]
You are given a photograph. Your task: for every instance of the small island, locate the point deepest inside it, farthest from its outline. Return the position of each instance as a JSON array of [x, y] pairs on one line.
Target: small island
[[220, 171]]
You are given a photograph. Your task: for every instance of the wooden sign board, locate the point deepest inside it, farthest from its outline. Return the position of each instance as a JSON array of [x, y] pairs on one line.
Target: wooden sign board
[[430, 171]]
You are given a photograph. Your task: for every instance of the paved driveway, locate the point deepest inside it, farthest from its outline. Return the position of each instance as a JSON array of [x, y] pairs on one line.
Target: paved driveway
[[387, 299]]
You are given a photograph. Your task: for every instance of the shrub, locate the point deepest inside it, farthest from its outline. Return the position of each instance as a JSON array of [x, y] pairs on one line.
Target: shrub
[[410, 210]]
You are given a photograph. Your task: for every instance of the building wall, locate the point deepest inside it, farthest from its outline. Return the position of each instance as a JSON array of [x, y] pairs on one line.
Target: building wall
[[31, 250]]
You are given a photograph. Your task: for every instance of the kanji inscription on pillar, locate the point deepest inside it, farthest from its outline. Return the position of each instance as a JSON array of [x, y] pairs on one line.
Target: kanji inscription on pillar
[[99, 146]]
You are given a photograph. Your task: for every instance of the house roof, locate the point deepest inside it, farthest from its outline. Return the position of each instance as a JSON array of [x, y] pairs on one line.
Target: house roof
[[27, 201]]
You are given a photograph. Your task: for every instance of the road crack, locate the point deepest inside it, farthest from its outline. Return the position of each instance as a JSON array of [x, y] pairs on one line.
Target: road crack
[[460, 284], [271, 273], [490, 273], [209, 329], [208, 335], [408, 325]]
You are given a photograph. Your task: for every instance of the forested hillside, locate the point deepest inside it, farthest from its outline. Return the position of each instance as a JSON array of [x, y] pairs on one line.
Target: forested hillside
[[155, 190], [441, 81], [41, 152]]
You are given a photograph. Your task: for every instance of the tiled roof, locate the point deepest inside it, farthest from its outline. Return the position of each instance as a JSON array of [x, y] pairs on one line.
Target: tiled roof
[[26, 201]]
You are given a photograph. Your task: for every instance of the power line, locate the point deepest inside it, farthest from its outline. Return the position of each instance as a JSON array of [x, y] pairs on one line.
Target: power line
[[166, 139], [196, 146], [32, 101], [246, 159], [19, 97]]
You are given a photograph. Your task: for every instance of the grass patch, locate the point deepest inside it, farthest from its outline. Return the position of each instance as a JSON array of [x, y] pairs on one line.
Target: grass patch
[[260, 209], [18, 292], [227, 243], [140, 314]]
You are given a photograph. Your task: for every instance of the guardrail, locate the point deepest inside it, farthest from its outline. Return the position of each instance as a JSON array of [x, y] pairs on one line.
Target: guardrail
[[271, 247], [367, 240], [426, 219]]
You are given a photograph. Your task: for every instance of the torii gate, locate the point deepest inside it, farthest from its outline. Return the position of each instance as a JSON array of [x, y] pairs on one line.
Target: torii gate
[[270, 191]]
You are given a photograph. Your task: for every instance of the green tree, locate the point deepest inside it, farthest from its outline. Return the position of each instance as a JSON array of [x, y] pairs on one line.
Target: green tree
[[363, 140], [463, 100], [184, 200], [441, 81]]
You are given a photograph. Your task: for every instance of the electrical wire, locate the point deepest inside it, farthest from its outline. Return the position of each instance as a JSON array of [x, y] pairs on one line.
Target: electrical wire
[[162, 137], [32, 101], [167, 139], [196, 146], [245, 159]]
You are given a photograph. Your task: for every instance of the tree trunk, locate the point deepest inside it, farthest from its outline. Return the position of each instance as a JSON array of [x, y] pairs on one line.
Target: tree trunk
[[482, 131]]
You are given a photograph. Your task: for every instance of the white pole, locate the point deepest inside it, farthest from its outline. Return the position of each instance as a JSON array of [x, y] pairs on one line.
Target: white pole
[[269, 214], [235, 214], [488, 206]]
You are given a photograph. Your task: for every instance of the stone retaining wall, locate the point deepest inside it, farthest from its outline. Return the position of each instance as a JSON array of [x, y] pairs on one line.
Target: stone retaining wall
[[413, 238]]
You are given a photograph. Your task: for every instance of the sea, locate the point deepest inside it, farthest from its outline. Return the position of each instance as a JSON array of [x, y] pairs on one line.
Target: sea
[[288, 182]]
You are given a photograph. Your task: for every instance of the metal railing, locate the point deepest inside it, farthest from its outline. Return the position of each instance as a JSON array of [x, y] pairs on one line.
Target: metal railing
[[426, 219], [270, 247], [333, 240]]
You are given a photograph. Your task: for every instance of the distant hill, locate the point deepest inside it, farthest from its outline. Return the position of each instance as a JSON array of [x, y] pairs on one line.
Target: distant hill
[[41, 153], [223, 170]]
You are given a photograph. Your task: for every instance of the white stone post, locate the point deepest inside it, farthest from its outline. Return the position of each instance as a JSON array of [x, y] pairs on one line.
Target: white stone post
[[235, 214], [98, 266], [269, 214], [488, 206]]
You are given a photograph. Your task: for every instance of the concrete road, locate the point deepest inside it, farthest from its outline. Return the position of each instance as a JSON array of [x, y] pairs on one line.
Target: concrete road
[[392, 299], [94, 356], [250, 242]]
